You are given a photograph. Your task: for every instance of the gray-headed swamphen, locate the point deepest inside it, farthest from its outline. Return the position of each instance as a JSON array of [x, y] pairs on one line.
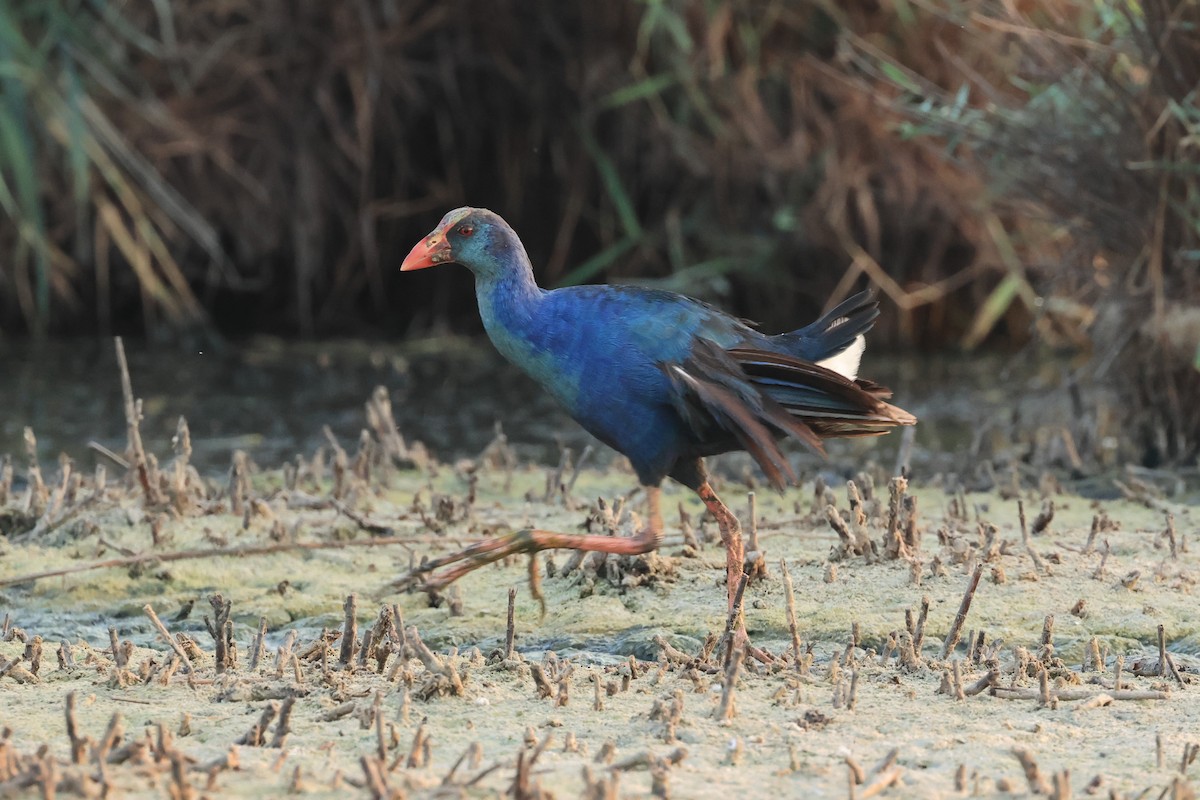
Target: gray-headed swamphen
[[662, 378]]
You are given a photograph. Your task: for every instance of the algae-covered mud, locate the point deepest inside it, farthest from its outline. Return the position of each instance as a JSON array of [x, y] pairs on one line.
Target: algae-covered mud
[[942, 646]]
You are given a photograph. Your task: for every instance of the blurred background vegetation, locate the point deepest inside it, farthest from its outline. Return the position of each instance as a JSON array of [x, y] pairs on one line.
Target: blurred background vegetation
[[1016, 173]]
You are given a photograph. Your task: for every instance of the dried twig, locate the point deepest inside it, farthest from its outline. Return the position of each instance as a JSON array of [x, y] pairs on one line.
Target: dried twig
[[435, 663], [166, 635], [1037, 783], [964, 607], [148, 481], [1006, 693], [791, 612], [1027, 540], [510, 632], [260, 641], [283, 727], [78, 743], [349, 631], [755, 560], [725, 710], [895, 545], [1171, 538], [221, 630], [256, 736]]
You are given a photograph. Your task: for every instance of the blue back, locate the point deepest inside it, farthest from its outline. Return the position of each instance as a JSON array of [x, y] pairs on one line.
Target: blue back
[[598, 350]]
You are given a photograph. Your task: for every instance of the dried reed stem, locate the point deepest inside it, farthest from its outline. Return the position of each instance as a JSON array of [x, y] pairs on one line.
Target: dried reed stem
[[133, 415], [166, 635], [725, 709], [793, 629], [510, 632], [349, 631], [964, 607]]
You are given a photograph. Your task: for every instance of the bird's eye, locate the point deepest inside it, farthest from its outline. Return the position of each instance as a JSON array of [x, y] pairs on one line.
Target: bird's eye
[[465, 230]]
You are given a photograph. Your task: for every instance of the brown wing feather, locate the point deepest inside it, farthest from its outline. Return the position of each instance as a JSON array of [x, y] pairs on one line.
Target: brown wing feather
[[755, 396], [830, 403], [712, 390]]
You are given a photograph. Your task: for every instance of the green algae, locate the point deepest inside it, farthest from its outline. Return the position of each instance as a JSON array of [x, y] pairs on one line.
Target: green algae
[[597, 624]]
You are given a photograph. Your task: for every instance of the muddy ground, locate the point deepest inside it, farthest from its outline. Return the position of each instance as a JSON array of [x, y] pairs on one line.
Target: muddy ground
[[861, 713]]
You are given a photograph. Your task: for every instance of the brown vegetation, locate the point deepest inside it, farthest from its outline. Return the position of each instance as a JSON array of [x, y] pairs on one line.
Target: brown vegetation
[[1000, 170]]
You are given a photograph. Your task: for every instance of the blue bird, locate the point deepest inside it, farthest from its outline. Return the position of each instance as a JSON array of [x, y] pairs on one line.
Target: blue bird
[[660, 377]]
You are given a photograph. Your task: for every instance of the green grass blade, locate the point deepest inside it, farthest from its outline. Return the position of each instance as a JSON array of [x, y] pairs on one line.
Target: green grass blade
[[699, 274], [992, 310], [659, 17], [649, 87], [77, 155], [899, 77], [612, 184], [596, 264], [13, 46], [18, 157]]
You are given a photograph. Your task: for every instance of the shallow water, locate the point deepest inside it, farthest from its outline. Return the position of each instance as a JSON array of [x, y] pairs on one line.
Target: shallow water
[[271, 399], [268, 398]]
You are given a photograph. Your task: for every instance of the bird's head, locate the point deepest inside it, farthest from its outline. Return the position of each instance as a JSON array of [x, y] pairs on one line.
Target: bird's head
[[474, 237]]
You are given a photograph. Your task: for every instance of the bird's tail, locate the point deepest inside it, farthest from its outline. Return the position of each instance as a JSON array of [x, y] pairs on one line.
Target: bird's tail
[[835, 341]]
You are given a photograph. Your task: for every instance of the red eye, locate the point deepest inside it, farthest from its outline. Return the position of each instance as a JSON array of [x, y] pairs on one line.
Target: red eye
[[465, 230]]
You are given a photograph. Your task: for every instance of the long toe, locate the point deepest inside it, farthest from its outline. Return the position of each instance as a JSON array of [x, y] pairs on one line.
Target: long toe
[[466, 560]]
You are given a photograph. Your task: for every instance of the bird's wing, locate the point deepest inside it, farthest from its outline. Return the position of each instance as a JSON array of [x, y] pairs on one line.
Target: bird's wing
[[754, 396], [711, 389], [829, 403]]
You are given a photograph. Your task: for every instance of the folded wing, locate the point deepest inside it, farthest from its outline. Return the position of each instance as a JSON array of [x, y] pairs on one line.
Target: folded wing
[[754, 397]]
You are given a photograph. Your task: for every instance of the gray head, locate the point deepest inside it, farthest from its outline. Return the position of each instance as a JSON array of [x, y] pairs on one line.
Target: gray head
[[476, 238]]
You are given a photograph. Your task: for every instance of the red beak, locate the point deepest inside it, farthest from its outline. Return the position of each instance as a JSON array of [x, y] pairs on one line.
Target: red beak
[[429, 252]]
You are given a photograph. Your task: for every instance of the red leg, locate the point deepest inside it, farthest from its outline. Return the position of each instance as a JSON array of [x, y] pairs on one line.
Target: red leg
[[731, 537], [532, 541]]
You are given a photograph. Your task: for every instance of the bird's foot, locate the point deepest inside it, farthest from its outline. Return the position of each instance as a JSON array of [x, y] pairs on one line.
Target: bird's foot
[[469, 559], [736, 638], [528, 541], [741, 640]]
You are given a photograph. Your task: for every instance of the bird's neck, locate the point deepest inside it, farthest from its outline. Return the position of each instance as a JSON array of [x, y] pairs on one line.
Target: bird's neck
[[508, 303]]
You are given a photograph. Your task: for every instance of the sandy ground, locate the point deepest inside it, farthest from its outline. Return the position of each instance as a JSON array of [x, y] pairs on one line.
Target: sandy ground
[[796, 730]]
